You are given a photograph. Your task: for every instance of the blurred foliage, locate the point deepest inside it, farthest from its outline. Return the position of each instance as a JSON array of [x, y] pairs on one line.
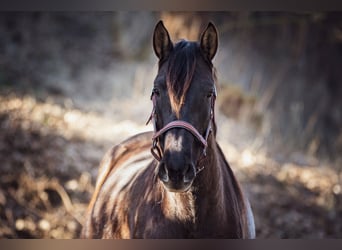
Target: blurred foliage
[[239, 105], [290, 61], [64, 78]]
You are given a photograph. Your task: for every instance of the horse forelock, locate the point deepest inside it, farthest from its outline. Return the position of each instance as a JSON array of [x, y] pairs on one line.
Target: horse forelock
[[180, 71]]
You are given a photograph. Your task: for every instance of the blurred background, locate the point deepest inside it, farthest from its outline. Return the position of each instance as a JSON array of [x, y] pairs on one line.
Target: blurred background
[[74, 84]]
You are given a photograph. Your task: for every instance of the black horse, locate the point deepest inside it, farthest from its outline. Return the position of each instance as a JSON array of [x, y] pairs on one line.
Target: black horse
[[188, 190]]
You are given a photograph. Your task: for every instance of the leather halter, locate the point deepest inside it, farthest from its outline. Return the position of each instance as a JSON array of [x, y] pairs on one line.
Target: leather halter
[[157, 152]]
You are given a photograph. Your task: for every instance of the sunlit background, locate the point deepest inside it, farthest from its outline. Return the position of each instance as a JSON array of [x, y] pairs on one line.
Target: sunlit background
[[74, 84]]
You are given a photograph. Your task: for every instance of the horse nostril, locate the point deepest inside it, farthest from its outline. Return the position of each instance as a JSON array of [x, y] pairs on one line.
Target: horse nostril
[[189, 174], [163, 173]]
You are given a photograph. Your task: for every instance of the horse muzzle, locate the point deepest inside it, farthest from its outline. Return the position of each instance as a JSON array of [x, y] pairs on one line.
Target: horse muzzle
[[176, 177]]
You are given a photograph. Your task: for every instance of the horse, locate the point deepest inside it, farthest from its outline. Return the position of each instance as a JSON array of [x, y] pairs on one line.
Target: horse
[[173, 182]]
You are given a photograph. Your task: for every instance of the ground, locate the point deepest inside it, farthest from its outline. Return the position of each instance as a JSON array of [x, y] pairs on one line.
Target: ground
[[50, 150]]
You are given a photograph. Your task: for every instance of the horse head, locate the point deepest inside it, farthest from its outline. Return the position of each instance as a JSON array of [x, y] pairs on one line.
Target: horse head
[[183, 98]]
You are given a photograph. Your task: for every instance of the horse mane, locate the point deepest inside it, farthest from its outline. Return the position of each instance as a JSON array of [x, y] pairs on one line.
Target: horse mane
[[180, 71]]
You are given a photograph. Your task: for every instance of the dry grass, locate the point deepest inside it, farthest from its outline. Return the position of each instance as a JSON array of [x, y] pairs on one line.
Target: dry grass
[[50, 155]]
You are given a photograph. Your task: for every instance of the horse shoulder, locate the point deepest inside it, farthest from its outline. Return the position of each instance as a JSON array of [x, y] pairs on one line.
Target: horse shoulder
[[115, 160]]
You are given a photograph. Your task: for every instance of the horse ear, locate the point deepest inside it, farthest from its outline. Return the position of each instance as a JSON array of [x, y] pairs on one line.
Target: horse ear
[[162, 44], [209, 41]]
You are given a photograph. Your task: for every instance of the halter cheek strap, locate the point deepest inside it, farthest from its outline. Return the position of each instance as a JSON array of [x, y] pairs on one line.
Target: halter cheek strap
[[157, 152]]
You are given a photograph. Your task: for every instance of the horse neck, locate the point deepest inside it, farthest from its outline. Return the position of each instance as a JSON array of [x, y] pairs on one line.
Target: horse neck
[[209, 184], [217, 192]]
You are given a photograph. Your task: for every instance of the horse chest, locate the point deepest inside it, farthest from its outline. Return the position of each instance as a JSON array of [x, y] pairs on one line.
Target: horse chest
[[162, 221]]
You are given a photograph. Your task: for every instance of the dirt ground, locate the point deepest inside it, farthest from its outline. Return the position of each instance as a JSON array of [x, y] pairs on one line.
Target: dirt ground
[[74, 84], [50, 150]]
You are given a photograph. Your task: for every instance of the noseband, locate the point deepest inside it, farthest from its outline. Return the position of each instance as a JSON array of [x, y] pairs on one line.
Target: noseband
[[157, 152]]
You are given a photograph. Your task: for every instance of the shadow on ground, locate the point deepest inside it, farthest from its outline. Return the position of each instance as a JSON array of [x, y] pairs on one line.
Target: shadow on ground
[[47, 176]]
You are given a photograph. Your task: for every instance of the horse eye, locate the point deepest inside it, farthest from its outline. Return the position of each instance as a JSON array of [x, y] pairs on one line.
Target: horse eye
[[155, 91], [210, 94]]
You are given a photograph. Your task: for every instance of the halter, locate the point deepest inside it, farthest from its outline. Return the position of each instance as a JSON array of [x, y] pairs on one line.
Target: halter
[[155, 149]]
